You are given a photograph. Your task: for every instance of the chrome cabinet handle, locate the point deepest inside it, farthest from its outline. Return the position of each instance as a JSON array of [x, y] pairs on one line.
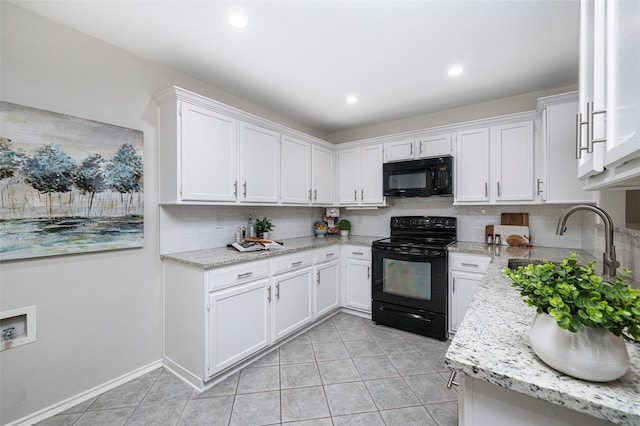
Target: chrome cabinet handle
[[299, 262], [538, 190], [318, 278], [472, 265], [357, 253], [330, 254], [451, 382], [361, 194], [315, 194], [486, 189], [498, 188], [269, 295], [309, 194], [278, 291], [245, 275], [411, 149], [591, 113], [579, 124], [235, 189], [244, 192], [355, 195], [368, 272]]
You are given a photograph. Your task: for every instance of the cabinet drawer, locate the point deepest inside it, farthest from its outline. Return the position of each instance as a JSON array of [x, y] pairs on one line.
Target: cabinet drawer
[[237, 274], [291, 262], [469, 262], [327, 254], [357, 252]]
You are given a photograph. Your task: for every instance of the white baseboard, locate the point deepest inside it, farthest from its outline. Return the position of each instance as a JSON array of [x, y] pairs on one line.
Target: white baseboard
[[64, 405]]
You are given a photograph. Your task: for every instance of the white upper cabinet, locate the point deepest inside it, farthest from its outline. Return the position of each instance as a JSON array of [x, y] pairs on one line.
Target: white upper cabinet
[[259, 164], [472, 166], [434, 146], [296, 171], [399, 150], [360, 176], [558, 181], [323, 172], [209, 154], [422, 147], [495, 165], [609, 140], [512, 146]]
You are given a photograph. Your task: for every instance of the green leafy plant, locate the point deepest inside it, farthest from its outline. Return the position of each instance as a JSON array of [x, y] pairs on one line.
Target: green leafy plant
[[576, 296], [265, 224], [344, 225]]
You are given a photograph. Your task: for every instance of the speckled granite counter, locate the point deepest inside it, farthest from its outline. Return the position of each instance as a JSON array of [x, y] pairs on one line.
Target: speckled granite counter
[[216, 257], [492, 344]]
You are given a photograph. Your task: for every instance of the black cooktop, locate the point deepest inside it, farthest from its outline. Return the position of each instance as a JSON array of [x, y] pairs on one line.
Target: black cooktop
[[420, 231]]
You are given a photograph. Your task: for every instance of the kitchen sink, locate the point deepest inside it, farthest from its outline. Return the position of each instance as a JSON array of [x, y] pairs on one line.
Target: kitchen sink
[[514, 263]]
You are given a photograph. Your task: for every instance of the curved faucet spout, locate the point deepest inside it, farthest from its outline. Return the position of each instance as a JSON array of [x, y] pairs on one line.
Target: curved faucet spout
[[609, 262]]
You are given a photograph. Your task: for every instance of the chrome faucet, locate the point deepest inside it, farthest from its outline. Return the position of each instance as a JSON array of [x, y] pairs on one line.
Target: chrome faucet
[[609, 262]]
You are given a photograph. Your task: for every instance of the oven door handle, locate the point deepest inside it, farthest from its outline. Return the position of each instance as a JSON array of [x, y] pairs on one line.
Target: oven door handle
[[406, 314]]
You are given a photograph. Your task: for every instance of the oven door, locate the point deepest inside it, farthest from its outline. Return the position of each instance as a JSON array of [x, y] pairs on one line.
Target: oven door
[[416, 279]]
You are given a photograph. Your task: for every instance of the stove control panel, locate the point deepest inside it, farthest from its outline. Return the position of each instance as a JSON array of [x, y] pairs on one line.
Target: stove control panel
[[423, 222]]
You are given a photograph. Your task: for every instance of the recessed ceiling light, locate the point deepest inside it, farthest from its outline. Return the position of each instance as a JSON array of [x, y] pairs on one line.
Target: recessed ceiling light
[[238, 21], [352, 99], [455, 71]]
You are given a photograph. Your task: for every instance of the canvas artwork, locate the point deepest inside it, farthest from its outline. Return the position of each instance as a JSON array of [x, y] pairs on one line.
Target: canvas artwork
[[67, 184]]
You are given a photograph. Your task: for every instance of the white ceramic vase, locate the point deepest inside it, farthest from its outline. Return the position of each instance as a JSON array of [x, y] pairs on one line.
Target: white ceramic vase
[[593, 354]]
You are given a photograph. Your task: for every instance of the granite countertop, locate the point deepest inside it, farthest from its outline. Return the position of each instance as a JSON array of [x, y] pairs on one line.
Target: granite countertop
[[223, 256], [492, 344]]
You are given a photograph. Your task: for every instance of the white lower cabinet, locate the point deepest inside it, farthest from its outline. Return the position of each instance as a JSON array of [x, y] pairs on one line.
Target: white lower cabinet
[[357, 277], [238, 323], [327, 288], [465, 273], [292, 297]]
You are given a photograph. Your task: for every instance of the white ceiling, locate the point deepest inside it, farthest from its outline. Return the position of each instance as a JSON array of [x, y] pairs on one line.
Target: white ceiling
[[302, 58]]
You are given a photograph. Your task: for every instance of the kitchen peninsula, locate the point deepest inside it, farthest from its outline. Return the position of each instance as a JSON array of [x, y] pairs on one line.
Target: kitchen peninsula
[[504, 382]]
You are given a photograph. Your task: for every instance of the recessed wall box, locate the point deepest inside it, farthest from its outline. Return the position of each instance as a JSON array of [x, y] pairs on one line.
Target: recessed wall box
[[17, 327]]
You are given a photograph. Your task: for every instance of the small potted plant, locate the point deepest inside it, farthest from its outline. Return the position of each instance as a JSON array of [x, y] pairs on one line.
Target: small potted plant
[[263, 227], [344, 226], [577, 311]]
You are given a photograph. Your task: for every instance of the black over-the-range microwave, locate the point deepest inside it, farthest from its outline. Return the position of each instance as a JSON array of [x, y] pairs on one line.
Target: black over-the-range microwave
[[418, 178]]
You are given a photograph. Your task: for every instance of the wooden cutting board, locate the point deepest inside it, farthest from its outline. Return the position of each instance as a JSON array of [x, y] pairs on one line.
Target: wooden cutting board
[[515, 219], [521, 234]]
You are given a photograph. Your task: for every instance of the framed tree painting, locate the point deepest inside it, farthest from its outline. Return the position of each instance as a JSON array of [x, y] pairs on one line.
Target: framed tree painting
[[67, 185]]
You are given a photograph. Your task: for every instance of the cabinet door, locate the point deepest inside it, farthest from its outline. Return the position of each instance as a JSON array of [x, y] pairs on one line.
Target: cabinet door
[[623, 83], [434, 146], [238, 323], [295, 171], [358, 284], [513, 156], [322, 181], [560, 183], [592, 79], [209, 155], [472, 166], [259, 164], [349, 176], [399, 151], [292, 307], [371, 183], [327, 288], [463, 287]]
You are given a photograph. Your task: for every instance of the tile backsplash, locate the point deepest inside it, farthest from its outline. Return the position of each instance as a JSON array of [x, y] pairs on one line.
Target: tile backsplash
[[184, 228]]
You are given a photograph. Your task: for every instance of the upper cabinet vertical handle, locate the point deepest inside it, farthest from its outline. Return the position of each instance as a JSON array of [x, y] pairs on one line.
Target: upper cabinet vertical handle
[[486, 189], [411, 149], [498, 183], [315, 194], [538, 190], [355, 195], [310, 194], [579, 124], [235, 188], [590, 118], [244, 191]]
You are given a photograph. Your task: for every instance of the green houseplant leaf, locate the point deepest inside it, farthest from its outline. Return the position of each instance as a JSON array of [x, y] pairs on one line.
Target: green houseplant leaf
[[575, 296]]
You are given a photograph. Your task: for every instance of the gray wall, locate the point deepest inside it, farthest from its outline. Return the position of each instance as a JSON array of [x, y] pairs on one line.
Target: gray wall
[[99, 315]]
